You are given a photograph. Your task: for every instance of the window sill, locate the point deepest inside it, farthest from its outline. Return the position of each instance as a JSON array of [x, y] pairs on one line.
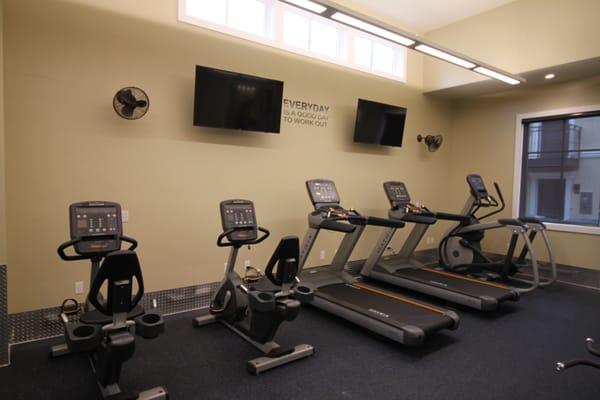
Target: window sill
[[587, 230]]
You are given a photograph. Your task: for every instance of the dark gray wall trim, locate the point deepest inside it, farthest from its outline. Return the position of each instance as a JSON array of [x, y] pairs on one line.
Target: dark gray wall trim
[[45, 323], [4, 324]]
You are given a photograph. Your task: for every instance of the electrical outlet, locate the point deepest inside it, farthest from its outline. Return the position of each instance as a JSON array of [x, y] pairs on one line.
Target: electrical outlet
[[322, 255], [79, 287], [247, 263], [125, 216], [430, 240]]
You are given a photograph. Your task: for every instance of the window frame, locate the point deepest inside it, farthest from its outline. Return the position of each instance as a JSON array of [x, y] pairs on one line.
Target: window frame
[[183, 17], [274, 39], [399, 63], [519, 155], [279, 9]]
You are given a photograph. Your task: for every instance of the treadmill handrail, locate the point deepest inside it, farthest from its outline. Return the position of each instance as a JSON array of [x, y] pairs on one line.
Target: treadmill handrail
[[453, 217], [375, 221], [427, 219], [335, 225]]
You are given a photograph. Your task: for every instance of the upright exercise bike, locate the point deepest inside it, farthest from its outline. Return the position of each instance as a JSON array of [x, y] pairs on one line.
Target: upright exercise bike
[[254, 306], [460, 250], [106, 328]]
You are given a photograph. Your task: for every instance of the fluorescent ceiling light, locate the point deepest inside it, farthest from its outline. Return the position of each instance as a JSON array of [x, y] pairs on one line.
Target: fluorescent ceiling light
[[497, 75], [308, 5], [365, 26], [445, 56]]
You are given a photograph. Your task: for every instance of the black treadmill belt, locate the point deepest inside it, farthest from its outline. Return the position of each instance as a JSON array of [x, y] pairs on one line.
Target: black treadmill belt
[[385, 309], [456, 283]]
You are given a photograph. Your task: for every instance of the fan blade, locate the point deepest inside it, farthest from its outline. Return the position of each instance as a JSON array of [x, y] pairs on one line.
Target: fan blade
[[125, 97], [127, 111], [141, 103]]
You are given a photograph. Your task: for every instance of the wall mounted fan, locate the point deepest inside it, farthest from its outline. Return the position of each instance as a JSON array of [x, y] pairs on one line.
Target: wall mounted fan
[[433, 143], [131, 103]]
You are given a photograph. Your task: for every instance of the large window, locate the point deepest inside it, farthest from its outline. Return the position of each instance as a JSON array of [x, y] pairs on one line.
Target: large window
[[289, 28], [559, 170]]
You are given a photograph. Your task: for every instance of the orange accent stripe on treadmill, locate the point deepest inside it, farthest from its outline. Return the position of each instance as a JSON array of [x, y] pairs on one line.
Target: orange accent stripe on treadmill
[[466, 278], [395, 297]]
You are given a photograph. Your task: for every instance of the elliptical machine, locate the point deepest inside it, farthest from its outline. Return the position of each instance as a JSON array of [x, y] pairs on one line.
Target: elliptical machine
[[460, 250], [106, 328], [252, 306]]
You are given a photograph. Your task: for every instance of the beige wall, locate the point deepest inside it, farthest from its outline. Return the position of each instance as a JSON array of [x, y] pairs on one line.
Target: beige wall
[[521, 36], [64, 143], [484, 141], [2, 173]]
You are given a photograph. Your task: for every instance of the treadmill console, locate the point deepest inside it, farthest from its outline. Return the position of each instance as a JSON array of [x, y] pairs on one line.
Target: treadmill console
[[322, 192], [238, 216], [478, 189], [97, 225], [397, 194]]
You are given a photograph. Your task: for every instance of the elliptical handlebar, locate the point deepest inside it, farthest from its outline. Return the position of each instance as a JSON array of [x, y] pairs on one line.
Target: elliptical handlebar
[[500, 196], [495, 203]]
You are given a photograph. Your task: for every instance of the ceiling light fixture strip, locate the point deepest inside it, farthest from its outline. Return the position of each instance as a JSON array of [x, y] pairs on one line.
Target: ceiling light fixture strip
[[334, 12]]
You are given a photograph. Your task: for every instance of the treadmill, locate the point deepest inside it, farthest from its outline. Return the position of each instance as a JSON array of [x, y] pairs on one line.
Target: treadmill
[[404, 271], [396, 317]]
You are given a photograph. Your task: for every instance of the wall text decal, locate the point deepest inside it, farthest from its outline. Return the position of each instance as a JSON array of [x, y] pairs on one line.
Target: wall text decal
[[304, 113]]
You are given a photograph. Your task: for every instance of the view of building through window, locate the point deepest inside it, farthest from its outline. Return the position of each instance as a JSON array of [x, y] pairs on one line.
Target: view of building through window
[[561, 170]]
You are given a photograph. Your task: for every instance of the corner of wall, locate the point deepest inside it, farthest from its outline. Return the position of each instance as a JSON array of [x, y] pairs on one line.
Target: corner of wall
[[503, 35], [3, 256]]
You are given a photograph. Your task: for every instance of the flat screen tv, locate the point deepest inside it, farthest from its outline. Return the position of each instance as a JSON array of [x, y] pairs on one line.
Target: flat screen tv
[[379, 123], [231, 100]]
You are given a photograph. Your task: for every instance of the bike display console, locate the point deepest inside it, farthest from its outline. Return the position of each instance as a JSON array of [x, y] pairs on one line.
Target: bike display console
[[238, 219], [96, 227]]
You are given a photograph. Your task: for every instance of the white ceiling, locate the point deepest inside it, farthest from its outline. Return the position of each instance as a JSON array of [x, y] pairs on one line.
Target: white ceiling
[[427, 15]]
